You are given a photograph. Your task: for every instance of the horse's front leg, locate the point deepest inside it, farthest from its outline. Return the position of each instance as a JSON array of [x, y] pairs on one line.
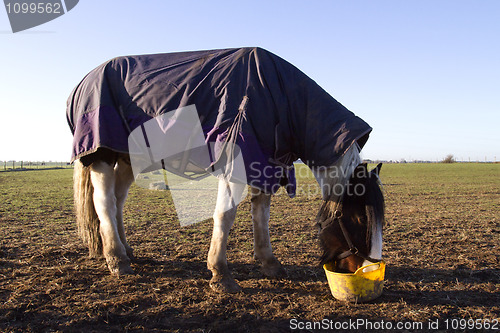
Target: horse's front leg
[[263, 251], [103, 180], [225, 212]]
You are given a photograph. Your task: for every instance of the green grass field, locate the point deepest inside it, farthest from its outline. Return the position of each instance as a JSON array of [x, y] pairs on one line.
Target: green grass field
[[441, 245]]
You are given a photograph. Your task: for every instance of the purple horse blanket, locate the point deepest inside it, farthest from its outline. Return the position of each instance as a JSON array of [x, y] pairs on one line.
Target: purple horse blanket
[[282, 114]]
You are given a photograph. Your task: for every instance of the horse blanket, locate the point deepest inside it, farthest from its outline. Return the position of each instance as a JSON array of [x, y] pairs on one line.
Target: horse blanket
[[281, 114]]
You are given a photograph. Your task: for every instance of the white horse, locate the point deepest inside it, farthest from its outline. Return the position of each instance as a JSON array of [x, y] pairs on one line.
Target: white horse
[[101, 184], [247, 97]]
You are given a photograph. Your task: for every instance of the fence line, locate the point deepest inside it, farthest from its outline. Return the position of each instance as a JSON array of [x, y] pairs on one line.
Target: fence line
[[31, 165]]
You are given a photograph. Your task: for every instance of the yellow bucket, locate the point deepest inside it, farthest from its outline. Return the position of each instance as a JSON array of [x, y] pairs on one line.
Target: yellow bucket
[[364, 285]]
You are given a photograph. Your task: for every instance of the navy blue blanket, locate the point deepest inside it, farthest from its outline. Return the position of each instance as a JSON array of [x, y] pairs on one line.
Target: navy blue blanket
[[285, 115]]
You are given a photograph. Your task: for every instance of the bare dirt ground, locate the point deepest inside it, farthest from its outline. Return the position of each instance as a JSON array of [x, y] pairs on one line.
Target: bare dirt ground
[[441, 249]]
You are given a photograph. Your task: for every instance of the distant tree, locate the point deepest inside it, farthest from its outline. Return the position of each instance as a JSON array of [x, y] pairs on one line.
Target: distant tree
[[449, 159]]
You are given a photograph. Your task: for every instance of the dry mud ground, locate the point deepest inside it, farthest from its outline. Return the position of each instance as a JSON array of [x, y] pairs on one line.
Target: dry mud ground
[[441, 248]]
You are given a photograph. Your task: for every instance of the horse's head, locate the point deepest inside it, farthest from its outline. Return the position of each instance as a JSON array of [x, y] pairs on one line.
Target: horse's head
[[350, 226]]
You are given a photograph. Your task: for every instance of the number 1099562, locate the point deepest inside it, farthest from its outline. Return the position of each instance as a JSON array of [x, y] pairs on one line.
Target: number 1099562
[[54, 7]]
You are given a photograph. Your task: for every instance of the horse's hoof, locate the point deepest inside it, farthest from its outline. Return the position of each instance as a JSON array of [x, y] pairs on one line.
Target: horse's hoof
[[120, 268], [274, 271], [130, 254], [126, 270], [224, 285]]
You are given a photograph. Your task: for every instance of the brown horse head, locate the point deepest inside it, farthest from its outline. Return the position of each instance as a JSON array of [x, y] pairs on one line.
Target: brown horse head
[[351, 223]]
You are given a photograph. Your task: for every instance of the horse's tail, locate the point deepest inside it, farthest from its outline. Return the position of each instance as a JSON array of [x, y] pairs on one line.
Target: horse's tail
[[86, 216]]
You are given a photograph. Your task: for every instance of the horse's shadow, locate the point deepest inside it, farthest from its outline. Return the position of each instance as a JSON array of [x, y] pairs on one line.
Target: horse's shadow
[[189, 269], [419, 286]]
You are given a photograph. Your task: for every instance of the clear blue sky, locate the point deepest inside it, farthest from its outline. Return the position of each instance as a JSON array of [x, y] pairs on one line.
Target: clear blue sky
[[424, 74]]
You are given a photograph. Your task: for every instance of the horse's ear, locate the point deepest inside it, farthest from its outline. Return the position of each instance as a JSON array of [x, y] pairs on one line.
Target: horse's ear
[[376, 170]]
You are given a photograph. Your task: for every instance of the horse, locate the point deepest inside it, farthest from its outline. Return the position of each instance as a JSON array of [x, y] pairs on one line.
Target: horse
[[105, 106]]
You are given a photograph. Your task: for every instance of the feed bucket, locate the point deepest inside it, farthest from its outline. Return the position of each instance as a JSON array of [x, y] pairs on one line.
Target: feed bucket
[[364, 285]]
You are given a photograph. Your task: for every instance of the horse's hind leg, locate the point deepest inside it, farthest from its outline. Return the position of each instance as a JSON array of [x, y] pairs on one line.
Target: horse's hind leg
[[263, 251], [225, 212], [102, 175], [123, 179]]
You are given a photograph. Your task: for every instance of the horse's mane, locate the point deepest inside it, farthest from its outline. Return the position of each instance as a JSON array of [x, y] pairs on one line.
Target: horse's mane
[[375, 204]]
